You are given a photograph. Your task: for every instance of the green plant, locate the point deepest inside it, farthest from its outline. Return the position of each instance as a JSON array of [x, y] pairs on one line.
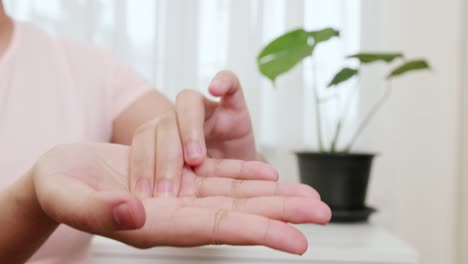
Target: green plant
[[291, 48]]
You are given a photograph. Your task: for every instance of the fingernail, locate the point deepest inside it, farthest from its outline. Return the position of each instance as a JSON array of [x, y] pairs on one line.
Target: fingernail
[[194, 150], [143, 188], [122, 216], [165, 188]]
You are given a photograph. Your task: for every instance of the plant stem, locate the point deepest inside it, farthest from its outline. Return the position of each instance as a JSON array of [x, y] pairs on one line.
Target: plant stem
[[343, 116], [375, 108], [335, 137], [317, 110]]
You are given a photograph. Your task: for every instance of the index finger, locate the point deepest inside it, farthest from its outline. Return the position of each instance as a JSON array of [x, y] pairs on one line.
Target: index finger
[[169, 156], [225, 84], [192, 108]]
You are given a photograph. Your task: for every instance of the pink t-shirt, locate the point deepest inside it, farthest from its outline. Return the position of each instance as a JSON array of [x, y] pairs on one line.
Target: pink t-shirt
[[56, 91]]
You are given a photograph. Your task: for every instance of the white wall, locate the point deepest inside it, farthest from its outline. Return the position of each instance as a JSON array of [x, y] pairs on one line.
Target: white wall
[[463, 190], [417, 133]]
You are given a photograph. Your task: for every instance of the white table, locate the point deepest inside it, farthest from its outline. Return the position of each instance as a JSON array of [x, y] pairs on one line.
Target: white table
[[331, 244]]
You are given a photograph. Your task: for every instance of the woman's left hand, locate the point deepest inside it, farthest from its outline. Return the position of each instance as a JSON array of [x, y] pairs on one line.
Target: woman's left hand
[[86, 186]]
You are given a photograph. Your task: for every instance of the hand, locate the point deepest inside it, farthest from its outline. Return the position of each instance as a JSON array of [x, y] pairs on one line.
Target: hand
[[87, 187], [156, 157], [216, 129]]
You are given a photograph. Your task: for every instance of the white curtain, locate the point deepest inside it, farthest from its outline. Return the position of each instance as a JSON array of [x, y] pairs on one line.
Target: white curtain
[[181, 44]]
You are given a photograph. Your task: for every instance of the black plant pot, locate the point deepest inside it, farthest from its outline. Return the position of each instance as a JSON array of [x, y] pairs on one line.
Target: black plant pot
[[341, 180]]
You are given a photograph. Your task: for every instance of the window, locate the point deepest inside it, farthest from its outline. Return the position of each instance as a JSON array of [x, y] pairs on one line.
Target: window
[[181, 44]]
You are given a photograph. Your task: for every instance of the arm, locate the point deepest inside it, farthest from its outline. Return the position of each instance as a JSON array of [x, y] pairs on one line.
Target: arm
[[24, 223]]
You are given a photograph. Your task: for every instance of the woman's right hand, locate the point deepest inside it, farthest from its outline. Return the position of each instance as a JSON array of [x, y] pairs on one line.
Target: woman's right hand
[[87, 187]]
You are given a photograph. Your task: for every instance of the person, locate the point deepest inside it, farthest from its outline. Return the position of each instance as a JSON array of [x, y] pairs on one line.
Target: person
[[90, 147]]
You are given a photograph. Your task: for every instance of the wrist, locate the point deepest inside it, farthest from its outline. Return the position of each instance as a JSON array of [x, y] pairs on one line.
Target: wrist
[[26, 203], [27, 224]]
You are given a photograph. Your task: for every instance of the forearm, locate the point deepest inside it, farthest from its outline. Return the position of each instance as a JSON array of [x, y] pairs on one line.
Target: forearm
[[25, 226], [147, 107]]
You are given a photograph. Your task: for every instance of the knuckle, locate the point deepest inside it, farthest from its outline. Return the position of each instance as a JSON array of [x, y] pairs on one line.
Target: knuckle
[[187, 94], [167, 119], [238, 204], [267, 230], [243, 170], [276, 187], [216, 168], [236, 186], [283, 210], [169, 116], [200, 187], [144, 127], [218, 219]]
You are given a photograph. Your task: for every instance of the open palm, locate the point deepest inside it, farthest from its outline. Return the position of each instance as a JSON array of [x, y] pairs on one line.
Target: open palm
[[87, 187]]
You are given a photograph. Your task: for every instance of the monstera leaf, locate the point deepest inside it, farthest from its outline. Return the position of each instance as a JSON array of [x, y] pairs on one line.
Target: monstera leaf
[[323, 35], [343, 75], [283, 53], [409, 66], [370, 57]]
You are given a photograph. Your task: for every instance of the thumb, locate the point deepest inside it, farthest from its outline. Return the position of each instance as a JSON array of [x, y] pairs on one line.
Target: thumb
[[98, 212], [116, 211]]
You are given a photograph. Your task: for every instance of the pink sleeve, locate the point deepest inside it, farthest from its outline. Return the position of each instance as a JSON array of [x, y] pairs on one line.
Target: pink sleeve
[[125, 86]]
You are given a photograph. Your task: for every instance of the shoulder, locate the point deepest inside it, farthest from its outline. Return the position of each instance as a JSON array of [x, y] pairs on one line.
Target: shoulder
[[30, 33], [77, 55], [86, 53], [87, 56]]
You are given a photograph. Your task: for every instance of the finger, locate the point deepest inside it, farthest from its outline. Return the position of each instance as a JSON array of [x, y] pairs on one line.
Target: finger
[[298, 210], [233, 228], [188, 227], [226, 85], [216, 186], [97, 212], [191, 118], [169, 156], [142, 156], [247, 170]]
